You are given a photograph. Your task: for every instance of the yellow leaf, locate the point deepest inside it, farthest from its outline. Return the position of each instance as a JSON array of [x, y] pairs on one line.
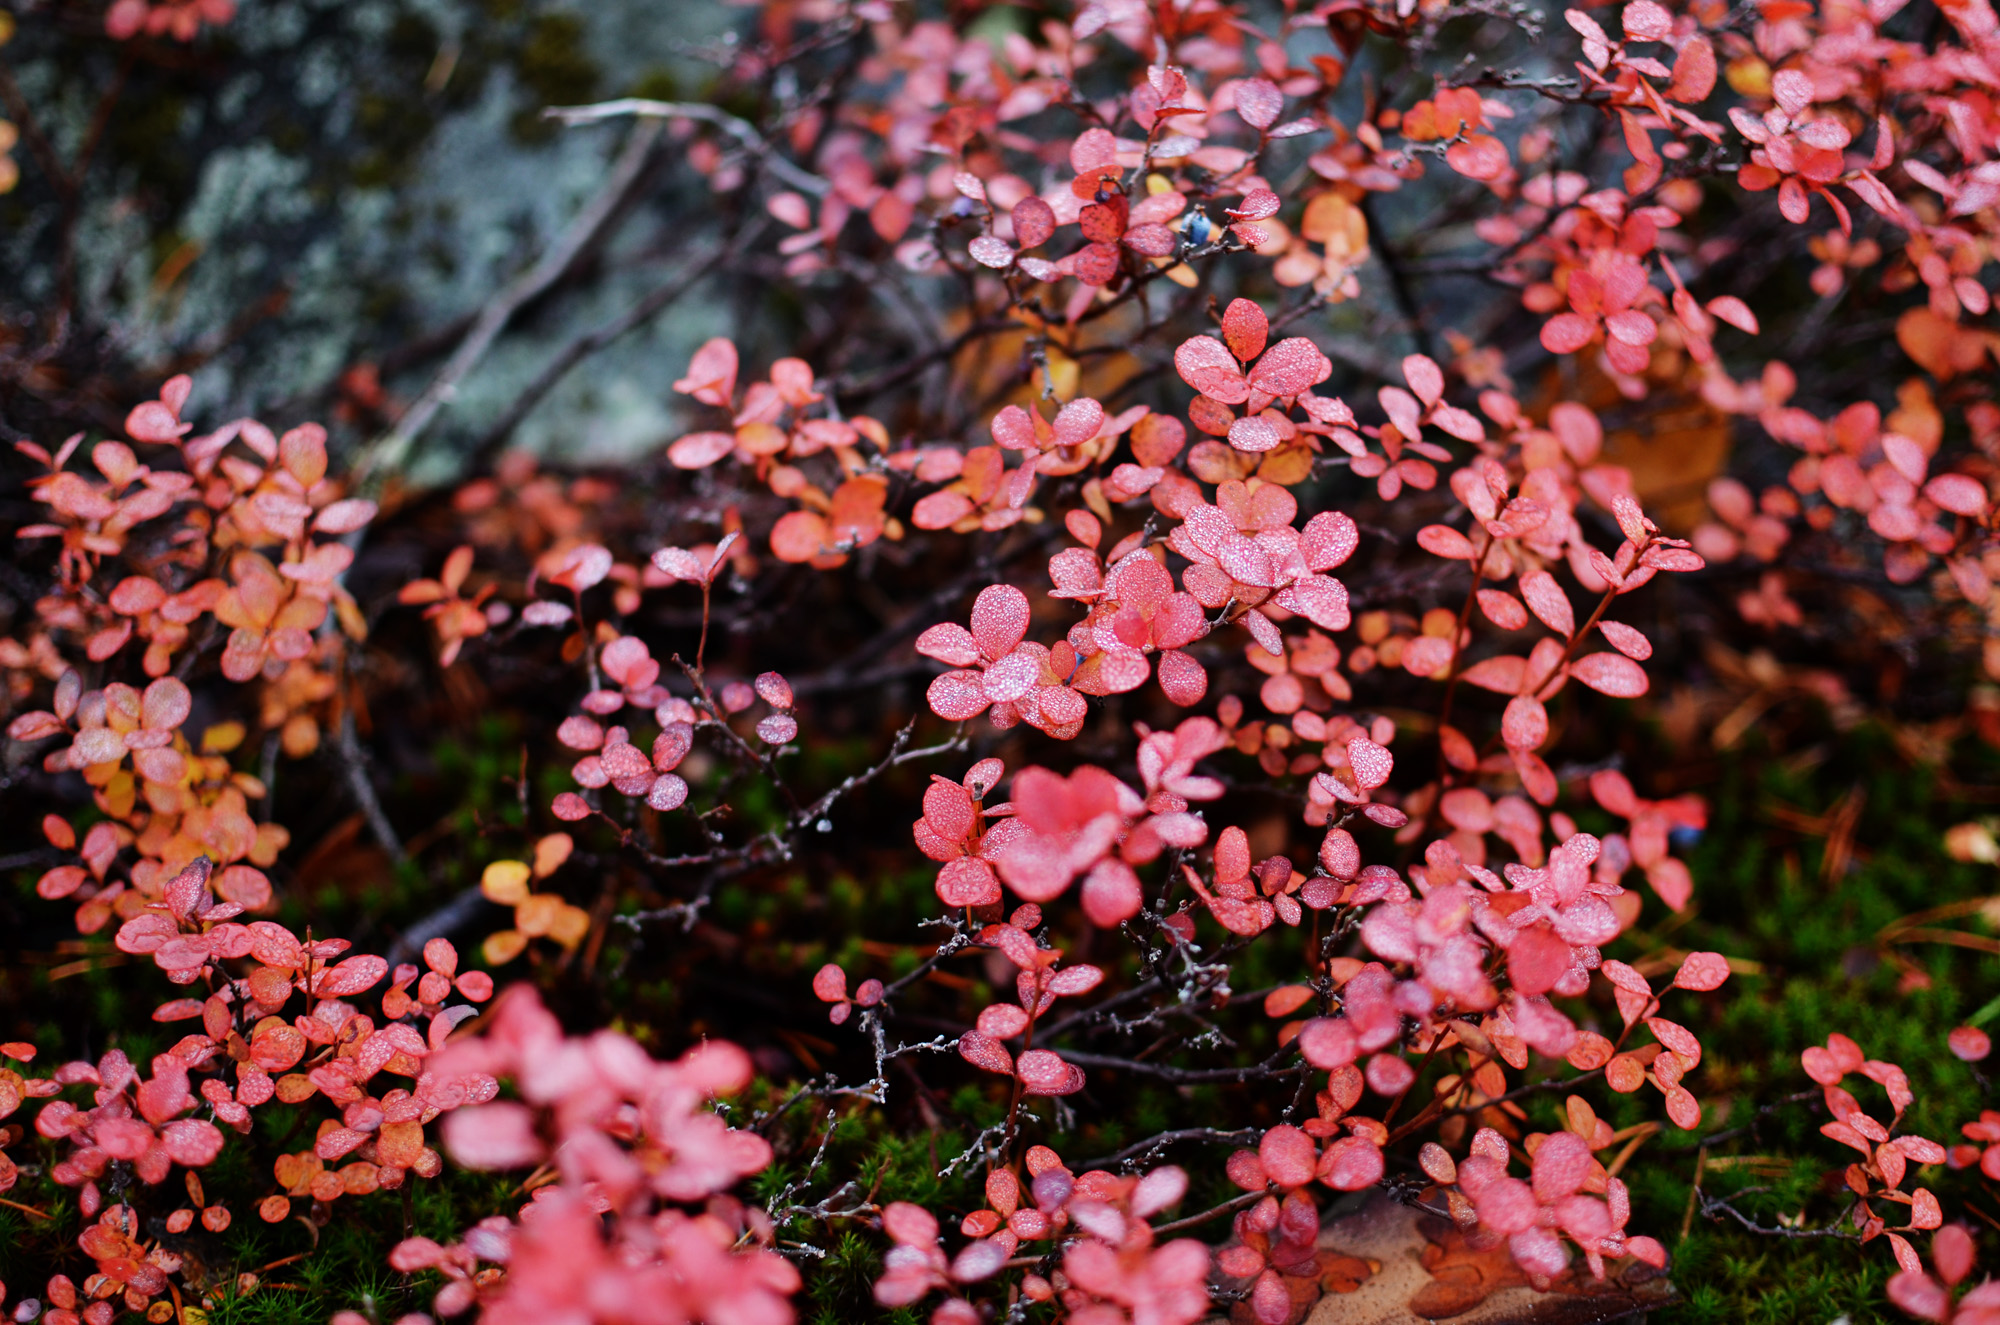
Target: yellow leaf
[[1062, 374], [537, 915], [505, 882], [503, 947], [1286, 465], [571, 924], [551, 852], [1748, 77]]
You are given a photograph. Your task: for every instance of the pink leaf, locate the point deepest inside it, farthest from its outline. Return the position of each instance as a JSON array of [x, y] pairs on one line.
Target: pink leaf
[[983, 1051], [493, 1136], [1328, 1042], [1044, 1073], [1259, 102], [1441, 540], [1350, 1164], [1289, 367], [1959, 494], [1560, 1166], [1034, 222], [356, 975], [1611, 674], [1002, 1020], [1287, 1155], [1254, 434], [1547, 601], [1694, 72], [957, 696], [1735, 312], [1969, 1043], [1626, 640], [988, 251], [1525, 724], [1502, 609], [1206, 364], [1702, 971], [1372, 763], [999, 619], [711, 376], [1565, 333], [191, 1142], [1503, 675], [1329, 539], [1792, 90], [1245, 329], [698, 450]]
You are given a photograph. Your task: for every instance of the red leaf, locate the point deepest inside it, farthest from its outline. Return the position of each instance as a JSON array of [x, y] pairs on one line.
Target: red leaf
[[968, 882], [1646, 21], [1289, 367], [1503, 675], [1626, 640], [1257, 204], [1424, 377], [1525, 724], [1254, 434], [1565, 333], [1287, 1155], [1501, 608], [1547, 601], [999, 619], [1244, 329], [698, 450], [1259, 102], [1735, 312], [985, 1052], [1206, 364], [1560, 1166], [1702, 971], [1677, 1038], [1959, 494], [1611, 674], [990, 252], [356, 975], [1351, 1164], [191, 1142], [1074, 980], [1044, 1073], [711, 375], [1092, 148], [1480, 156], [1328, 1042], [1001, 1020], [1034, 222], [1441, 540], [1969, 1043], [1694, 72]]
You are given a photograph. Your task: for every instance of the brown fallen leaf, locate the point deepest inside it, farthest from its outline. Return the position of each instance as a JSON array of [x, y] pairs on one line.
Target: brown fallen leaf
[[1422, 1270], [1329, 1272]]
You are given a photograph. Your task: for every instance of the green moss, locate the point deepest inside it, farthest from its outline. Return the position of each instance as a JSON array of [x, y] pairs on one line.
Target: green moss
[[554, 70]]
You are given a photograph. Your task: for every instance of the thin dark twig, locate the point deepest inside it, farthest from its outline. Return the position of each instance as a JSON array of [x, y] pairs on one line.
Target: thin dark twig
[[355, 763], [697, 268], [1159, 1141], [387, 453], [1713, 1207]]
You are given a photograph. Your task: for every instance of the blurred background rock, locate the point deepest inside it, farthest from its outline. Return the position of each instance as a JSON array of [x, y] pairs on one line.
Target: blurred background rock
[[314, 199]]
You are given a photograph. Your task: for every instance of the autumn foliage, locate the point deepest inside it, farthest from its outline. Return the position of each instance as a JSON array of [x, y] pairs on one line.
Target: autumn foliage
[[1252, 704]]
